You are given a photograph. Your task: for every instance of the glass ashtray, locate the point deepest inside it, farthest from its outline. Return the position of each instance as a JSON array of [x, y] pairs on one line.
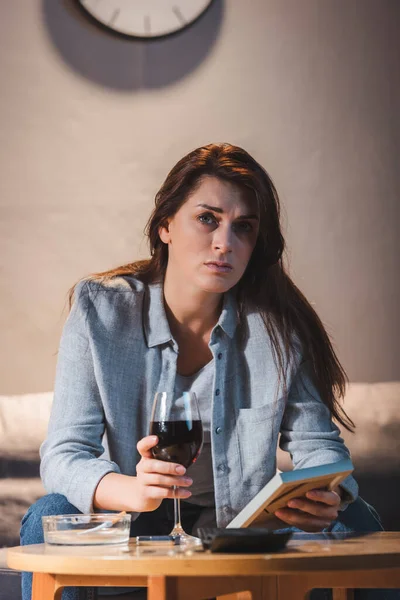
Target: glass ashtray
[[87, 530]]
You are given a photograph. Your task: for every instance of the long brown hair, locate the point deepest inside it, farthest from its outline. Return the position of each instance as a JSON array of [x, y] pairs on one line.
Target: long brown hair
[[265, 285]]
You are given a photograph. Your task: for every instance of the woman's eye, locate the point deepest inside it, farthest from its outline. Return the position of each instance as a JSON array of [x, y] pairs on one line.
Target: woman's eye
[[207, 219], [244, 226]]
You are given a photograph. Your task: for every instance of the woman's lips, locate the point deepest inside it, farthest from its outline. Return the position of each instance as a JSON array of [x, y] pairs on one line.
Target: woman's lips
[[219, 267]]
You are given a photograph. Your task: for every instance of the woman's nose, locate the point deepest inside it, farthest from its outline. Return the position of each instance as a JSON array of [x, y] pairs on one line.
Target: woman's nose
[[223, 240]]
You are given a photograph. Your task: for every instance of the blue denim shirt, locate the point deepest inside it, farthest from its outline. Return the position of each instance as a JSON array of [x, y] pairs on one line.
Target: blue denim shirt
[[117, 350]]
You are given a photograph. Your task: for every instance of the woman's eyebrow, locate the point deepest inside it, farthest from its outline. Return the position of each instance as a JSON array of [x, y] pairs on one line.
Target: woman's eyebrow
[[220, 210]]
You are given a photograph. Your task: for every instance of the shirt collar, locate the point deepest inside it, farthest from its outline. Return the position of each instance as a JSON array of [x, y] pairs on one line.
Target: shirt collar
[[155, 321], [228, 319], [156, 325]]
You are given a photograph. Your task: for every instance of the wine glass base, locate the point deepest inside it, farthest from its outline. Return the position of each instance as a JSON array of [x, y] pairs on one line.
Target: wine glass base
[[182, 538], [187, 540]]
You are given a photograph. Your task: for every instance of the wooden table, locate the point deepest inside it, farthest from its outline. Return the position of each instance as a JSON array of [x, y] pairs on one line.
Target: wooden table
[[309, 561]]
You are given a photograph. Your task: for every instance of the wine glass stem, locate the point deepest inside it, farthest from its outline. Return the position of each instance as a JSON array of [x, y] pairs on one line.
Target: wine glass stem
[[177, 509]]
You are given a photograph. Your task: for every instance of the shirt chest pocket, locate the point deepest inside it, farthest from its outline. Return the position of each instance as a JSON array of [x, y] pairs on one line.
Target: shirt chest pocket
[[257, 434]]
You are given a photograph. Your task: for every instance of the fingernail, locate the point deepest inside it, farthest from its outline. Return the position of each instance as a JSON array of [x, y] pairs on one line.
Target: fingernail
[[180, 469], [188, 480], [154, 438], [293, 504]]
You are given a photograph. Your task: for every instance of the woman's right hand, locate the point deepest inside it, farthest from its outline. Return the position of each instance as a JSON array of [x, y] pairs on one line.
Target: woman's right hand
[[155, 478]]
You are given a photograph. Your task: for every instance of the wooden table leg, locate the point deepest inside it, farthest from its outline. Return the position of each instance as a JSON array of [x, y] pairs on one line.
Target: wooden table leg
[[259, 588], [45, 587], [253, 587], [161, 588], [199, 588], [292, 588], [181, 588]]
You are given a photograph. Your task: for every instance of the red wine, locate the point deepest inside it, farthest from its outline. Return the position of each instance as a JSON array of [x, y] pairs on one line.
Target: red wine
[[179, 441]]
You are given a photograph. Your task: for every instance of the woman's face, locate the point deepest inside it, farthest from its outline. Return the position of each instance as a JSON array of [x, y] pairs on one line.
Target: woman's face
[[211, 237]]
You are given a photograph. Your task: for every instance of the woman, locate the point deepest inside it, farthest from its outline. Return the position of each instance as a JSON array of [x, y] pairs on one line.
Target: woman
[[213, 311]]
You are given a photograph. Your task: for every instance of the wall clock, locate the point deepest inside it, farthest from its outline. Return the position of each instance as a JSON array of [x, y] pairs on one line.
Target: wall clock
[[145, 18]]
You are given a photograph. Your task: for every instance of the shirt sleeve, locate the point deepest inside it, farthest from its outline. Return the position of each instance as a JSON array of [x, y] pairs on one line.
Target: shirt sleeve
[[308, 432], [70, 463]]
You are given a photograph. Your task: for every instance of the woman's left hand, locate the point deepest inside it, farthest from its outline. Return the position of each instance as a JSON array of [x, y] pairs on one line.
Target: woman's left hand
[[313, 512]]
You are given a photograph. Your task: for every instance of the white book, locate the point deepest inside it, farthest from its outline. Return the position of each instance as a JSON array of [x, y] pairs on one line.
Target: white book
[[290, 484]]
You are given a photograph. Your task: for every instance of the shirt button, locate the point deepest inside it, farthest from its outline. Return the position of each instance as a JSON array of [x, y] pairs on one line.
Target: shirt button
[[222, 468], [219, 355], [218, 430], [217, 392], [226, 509]]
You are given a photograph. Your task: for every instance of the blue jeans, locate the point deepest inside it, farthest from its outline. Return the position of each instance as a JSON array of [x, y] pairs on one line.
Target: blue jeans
[[358, 517]]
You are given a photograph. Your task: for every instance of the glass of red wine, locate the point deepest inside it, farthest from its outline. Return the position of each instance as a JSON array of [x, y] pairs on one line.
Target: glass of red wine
[[175, 419]]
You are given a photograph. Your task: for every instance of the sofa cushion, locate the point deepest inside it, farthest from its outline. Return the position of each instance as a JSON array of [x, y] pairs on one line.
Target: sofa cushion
[[16, 495], [375, 445], [23, 425], [375, 409]]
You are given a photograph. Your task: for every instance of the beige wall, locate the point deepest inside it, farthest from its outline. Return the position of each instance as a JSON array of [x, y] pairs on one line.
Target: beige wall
[[90, 125]]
